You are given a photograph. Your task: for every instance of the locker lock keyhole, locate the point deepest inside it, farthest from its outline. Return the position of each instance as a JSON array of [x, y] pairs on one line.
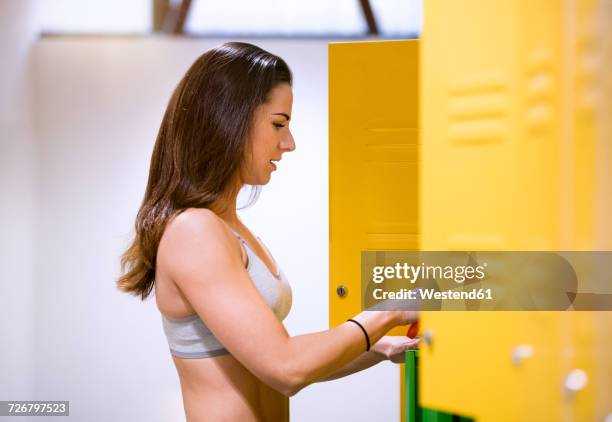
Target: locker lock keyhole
[[341, 290]]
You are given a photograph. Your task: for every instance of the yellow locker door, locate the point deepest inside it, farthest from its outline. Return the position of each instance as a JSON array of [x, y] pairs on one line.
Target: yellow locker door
[[517, 155], [491, 180], [469, 162], [546, 203], [373, 161], [373, 96], [588, 52], [603, 214]]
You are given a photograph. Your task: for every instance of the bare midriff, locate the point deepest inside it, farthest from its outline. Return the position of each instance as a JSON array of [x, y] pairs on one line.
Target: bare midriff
[[221, 389]]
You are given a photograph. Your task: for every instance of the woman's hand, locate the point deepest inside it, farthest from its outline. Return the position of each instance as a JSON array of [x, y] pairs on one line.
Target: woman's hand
[[393, 347]]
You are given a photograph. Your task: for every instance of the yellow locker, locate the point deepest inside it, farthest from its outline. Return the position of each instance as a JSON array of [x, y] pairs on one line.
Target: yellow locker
[[588, 107], [373, 161], [490, 133], [515, 155], [373, 173], [490, 168]]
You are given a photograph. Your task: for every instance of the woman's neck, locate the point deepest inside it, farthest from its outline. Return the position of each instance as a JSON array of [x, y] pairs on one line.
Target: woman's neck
[[225, 207]]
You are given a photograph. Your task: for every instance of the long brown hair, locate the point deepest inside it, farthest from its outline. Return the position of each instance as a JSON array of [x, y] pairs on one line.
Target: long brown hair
[[200, 146]]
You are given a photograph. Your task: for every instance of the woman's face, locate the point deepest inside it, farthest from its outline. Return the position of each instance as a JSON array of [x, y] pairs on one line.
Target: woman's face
[[270, 136]]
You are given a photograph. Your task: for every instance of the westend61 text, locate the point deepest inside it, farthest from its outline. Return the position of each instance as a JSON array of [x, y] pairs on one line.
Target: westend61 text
[[431, 294]]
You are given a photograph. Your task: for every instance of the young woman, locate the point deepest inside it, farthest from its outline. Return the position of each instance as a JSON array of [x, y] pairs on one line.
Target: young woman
[[221, 294]]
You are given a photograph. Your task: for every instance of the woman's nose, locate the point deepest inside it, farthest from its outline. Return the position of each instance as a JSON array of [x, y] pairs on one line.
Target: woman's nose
[[287, 143]]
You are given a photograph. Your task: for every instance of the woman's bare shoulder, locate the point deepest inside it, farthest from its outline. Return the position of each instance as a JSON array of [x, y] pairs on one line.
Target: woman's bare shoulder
[[192, 231], [194, 219]]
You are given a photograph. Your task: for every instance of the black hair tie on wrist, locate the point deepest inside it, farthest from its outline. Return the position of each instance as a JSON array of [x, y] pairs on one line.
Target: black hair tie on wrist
[[364, 332]]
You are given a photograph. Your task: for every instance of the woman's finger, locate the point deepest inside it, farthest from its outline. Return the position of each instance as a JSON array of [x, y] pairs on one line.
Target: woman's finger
[[412, 344], [400, 356]]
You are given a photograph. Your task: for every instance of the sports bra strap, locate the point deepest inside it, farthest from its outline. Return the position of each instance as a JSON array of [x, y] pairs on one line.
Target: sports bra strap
[[237, 235], [243, 247]]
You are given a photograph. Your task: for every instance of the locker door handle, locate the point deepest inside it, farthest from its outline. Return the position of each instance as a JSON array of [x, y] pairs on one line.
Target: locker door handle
[[520, 353], [575, 381]]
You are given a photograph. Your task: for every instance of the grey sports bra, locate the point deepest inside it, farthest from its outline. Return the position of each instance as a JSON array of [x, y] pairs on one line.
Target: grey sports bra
[[189, 337]]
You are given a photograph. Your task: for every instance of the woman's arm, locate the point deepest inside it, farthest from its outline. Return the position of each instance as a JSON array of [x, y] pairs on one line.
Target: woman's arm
[[204, 260], [387, 348], [364, 361]]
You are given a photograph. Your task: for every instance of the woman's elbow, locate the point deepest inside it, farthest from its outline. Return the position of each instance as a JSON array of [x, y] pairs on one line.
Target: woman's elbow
[[287, 372], [289, 382], [294, 387], [290, 389]]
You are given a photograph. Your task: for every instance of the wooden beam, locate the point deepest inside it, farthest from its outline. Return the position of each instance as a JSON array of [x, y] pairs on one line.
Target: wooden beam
[[169, 16], [160, 10], [182, 13], [369, 17]]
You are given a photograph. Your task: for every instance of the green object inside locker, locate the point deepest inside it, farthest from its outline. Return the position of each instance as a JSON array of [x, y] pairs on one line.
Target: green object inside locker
[[414, 412]]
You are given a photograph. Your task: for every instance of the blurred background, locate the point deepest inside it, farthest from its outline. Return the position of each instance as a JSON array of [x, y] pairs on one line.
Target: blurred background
[[83, 88]]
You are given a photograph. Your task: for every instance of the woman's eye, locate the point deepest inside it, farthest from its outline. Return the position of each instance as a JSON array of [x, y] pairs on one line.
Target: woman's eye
[[278, 125]]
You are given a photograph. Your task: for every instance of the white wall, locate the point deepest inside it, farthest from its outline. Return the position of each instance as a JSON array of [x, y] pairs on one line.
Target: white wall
[[99, 103], [18, 23]]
